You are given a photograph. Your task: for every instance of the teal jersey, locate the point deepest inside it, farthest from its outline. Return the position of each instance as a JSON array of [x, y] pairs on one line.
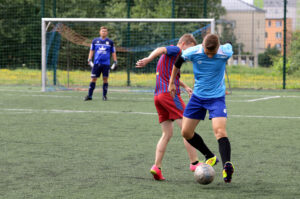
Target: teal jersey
[[209, 72]]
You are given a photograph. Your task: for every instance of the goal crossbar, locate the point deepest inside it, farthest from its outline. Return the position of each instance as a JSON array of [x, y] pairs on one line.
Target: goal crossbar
[[129, 20]]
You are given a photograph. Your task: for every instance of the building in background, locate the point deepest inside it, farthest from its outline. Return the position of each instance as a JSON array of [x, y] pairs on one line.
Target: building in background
[[249, 27], [275, 22]]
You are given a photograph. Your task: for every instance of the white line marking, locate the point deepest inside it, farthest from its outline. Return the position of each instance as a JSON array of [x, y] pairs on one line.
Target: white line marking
[[127, 112], [264, 98]]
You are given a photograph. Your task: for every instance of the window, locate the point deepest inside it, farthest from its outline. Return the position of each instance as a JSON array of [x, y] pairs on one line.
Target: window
[[270, 23], [266, 34], [278, 46], [269, 45], [278, 23], [278, 35]]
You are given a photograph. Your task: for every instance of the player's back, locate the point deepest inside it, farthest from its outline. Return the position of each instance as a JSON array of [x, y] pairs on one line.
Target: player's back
[[164, 69], [209, 72]]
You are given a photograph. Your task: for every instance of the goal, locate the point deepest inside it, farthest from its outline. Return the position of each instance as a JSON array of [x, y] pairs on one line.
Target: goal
[[66, 41]]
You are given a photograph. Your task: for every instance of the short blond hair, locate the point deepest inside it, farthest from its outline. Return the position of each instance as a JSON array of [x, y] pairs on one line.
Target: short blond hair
[[187, 39]]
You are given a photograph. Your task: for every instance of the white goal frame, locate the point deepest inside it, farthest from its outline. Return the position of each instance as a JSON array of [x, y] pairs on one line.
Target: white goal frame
[[46, 22]]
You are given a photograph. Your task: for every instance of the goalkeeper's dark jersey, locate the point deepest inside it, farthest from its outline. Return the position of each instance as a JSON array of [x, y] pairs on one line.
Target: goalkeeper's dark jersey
[[103, 48]]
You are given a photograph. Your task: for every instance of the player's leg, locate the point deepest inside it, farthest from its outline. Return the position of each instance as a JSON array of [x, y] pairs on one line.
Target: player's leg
[[167, 132], [193, 113], [192, 152], [218, 115], [105, 81], [95, 73], [219, 128]]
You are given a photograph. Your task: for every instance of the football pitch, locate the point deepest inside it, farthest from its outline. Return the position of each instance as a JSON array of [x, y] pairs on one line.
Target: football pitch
[[55, 145]]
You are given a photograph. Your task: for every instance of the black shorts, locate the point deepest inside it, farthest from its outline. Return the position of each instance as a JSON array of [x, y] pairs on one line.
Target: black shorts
[[98, 69]]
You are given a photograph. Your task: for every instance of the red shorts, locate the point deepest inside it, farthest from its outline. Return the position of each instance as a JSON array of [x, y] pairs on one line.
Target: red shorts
[[168, 108]]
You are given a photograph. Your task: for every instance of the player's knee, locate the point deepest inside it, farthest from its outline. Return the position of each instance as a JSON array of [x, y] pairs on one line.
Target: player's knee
[[167, 135], [220, 132], [186, 134]]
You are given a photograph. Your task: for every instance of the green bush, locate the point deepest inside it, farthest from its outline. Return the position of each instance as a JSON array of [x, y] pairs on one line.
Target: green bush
[[265, 59]]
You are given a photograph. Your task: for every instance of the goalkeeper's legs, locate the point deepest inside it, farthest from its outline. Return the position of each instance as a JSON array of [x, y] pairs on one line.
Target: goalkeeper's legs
[[91, 89], [105, 88]]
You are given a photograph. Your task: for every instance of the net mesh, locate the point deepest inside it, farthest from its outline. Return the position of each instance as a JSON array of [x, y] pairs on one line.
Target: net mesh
[[68, 47]]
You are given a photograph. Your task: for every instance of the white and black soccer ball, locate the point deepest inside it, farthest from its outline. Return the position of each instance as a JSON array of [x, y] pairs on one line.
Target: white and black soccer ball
[[204, 174]]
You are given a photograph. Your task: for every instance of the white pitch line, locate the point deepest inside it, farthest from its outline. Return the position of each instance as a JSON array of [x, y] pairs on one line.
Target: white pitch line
[[128, 112], [264, 98]]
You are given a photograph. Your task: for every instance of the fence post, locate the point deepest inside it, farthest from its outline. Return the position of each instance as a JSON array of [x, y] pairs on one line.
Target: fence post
[[173, 16], [204, 8], [128, 44], [284, 45]]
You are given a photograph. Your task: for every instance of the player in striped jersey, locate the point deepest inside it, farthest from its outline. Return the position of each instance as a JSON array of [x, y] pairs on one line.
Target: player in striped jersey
[[170, 109]]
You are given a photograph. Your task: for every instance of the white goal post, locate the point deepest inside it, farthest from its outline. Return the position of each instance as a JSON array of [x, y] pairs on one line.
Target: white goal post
[[47, 21]]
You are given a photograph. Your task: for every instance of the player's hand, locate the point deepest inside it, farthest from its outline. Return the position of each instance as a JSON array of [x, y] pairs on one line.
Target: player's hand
[[114, 66], [172, 89], [90, 62], [142, 62], [189, 91]]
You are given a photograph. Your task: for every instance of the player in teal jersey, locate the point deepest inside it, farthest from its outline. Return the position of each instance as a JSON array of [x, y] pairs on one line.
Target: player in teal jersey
[[101, 49], [209, 61]]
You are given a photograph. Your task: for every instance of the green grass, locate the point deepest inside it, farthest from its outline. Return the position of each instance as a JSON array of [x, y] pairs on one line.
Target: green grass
[[55, 145]]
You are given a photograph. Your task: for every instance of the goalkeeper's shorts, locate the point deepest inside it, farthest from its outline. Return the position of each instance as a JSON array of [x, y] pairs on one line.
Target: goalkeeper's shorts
[[168, 108], [98, 69], [197, 108]]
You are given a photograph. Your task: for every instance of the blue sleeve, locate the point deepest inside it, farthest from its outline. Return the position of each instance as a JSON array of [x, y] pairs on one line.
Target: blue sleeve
[[93, 45], [227, 49], [189, 52], [112, 47], [173, 50]]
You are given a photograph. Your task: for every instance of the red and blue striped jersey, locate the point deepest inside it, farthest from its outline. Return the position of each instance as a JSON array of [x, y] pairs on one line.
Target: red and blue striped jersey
[[164, 70]]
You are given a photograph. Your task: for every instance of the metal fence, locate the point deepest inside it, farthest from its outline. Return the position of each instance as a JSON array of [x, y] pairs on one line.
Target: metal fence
[[264, 34]]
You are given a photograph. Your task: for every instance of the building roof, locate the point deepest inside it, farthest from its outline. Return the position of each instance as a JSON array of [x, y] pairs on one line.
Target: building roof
[[279, 3], [239, 5]]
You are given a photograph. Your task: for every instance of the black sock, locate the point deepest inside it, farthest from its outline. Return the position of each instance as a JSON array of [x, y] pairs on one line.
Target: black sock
[[105, 88], [199, 144], [196, 162], [91, 89], [224, 149]]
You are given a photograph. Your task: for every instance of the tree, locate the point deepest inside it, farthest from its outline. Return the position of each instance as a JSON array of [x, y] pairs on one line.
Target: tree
[[227, 34]]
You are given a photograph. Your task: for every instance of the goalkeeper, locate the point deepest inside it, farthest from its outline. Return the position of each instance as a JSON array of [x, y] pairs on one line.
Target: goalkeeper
[[170, 109], [209, 61], [101, 48]]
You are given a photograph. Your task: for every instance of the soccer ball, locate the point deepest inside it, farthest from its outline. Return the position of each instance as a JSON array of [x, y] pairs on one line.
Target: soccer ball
[[204, 174]]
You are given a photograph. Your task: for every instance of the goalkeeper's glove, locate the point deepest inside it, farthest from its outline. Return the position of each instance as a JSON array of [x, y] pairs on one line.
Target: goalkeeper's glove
[[114, 66], [90, 62]]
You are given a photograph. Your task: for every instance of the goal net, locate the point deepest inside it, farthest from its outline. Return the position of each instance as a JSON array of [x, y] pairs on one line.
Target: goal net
[[66, 44]]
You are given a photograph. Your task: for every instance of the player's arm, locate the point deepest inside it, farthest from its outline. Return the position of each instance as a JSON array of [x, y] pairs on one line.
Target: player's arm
[[114, 65], [114, 56], [91, 54], [157, 52], [186, 87], [90, 59], [172, 87]]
